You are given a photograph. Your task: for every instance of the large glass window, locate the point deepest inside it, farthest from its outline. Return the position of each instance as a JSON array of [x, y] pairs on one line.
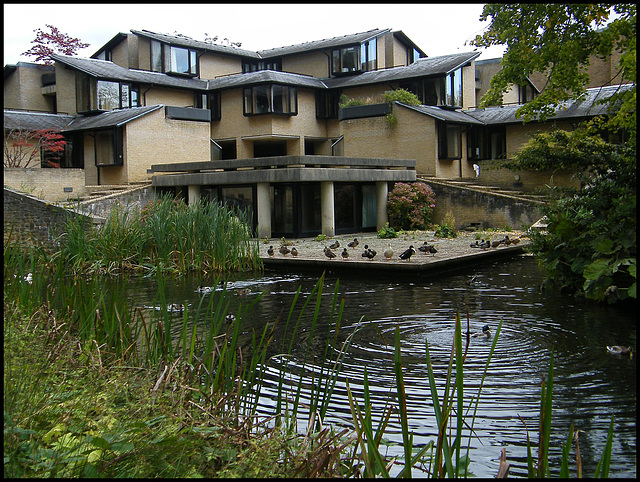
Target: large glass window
[[270, 99], [108, 95], [156, 56], [327, 104], [183, 61], [108, 147], [346, 60], [449, 141], [454, 89], [368, 55]]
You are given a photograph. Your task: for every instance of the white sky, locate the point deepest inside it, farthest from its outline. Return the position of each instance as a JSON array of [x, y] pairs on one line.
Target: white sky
[[438, 29]]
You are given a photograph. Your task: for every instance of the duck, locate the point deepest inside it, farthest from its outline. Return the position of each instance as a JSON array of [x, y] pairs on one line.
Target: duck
[[230, 318], [476, 244], [485, 244], [495, 244], [408, 253], [328, 253], [431, 249], [284, 250], [294, 252], [507, 241], [486, 332], [345, 254], [515, 240], [335, 245], [368, 252], [619, 350], [388, 252], [204, 290], [243, 292], [270, 251], [176, 307], [353, 244]]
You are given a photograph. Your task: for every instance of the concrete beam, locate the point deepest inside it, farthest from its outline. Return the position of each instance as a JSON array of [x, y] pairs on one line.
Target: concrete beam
[[263, 200], [327, 208]]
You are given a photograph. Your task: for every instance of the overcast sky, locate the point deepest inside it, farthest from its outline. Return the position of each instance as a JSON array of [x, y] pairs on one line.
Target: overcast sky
[[438, 29]]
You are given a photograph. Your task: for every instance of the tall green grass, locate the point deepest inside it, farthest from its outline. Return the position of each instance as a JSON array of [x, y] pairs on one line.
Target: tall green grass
[[166, 235]]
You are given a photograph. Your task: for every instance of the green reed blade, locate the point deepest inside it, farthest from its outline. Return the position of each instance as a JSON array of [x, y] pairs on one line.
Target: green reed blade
[[602, 470], [402, 404], [566, 448]]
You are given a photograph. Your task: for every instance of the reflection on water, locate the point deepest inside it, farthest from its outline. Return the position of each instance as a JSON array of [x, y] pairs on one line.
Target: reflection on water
[[589, 384]]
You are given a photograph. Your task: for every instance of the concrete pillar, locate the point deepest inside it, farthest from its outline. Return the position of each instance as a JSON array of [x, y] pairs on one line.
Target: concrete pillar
[[193, 194], [327, 208], [263, 202], [382, 191]]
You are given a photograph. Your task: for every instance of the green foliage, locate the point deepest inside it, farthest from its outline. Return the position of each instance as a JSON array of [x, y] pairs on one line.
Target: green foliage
[[590, 243], [387, 232], [403, 96], [392, 120], [321, 237], [346, 101], [410, 206], [558, 39], [165, 235], [447, 228]]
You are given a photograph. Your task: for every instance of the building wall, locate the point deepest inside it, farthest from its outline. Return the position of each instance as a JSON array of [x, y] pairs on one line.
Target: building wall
[[23, 89], [167, 96], [312, 63], [154, 139], [48, 184], [65, 90], [144, 53], [235, 125], [395, 52], [469, 86], [214, 65], [519, 134]]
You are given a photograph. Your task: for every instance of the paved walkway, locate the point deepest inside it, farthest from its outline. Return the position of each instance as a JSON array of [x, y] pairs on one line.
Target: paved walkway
[[452, 253]]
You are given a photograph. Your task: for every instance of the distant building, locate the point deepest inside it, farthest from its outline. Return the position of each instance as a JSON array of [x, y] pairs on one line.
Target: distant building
[[263, 130]]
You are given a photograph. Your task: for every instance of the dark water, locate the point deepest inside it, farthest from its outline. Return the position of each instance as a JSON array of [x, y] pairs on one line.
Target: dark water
[[590, 385]]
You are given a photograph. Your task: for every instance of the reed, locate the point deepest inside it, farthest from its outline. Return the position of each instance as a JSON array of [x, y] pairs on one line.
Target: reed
[[166, 235]]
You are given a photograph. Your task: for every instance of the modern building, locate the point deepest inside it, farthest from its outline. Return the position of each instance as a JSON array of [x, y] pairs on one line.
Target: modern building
[[264, 130]]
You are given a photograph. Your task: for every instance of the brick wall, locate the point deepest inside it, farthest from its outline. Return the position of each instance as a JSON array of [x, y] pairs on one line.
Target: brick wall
[[490, 210], [32, 221], [46, 184]]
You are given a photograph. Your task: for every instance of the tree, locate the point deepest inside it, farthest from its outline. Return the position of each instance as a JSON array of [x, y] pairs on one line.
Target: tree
[[590, 243], [22, 147], [53, 42], [558, 40]]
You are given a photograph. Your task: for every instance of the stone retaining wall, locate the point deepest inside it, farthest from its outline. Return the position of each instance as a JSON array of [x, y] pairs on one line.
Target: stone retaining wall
[[32, 221]]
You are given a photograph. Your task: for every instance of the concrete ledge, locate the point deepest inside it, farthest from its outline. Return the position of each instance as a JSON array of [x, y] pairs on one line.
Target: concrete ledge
[[394, 267]]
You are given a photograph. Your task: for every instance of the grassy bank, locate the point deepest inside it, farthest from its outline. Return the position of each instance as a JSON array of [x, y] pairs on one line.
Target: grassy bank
[[74, 409]]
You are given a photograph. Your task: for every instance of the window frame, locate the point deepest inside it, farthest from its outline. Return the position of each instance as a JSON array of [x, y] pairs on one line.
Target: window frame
[[445, 149], [117, 151], [338, 57], [250, 101]]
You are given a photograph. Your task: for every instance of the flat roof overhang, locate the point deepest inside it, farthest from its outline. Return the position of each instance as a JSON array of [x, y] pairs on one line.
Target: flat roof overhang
[[288, 174]]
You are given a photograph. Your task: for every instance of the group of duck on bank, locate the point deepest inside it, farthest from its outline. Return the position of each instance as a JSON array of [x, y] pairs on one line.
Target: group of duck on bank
[[369, 253]]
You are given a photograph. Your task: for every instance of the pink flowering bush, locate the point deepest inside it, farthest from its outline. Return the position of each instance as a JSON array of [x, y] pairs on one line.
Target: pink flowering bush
[[410, 206]]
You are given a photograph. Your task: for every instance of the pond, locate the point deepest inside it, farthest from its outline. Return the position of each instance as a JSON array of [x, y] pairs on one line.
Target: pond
[[590, 385]]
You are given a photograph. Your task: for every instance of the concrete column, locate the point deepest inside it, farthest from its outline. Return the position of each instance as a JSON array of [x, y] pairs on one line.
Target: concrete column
[[327, 208], [263, 203], [382, 191], [193, 194]]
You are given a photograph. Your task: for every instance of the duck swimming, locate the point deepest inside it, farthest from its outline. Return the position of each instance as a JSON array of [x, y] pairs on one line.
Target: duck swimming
[[486, 332], [619, 350], [204, 290]]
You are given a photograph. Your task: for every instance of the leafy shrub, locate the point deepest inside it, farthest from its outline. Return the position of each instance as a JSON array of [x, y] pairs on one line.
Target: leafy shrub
[[387, 232], [447, 228], [402, 96], [410, 206]]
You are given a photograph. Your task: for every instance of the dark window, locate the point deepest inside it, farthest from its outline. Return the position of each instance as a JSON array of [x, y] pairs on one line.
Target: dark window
[[412, 55], [270, 99], [526, 93], [369, 55], [454, 89], [486, 142], [430, 91], [173, 60], [156, 56], [101, 95], [449, 141], [346, 60], [108, 147], [269, 148], [327, 104], [255, 65]]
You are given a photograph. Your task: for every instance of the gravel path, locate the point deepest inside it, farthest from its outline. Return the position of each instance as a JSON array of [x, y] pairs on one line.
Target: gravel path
[[310, 248]]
